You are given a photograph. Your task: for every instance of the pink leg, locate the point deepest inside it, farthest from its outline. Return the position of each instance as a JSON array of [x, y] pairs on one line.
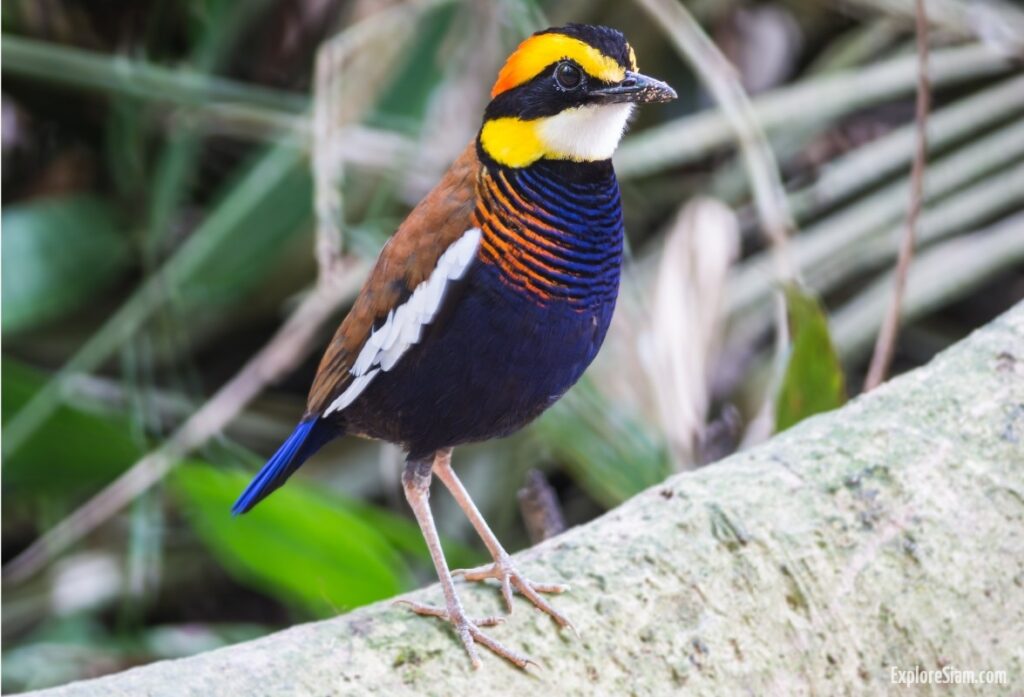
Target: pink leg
[[502, 569], [416, 483]]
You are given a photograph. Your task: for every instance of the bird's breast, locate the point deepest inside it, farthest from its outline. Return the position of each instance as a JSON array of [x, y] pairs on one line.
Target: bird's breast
[[522, 325], [552, 240]]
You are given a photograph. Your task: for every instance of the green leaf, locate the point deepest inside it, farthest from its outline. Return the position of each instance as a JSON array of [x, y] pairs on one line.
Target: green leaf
[[813, 380], [73, 454], [300, 545], [57, 254]]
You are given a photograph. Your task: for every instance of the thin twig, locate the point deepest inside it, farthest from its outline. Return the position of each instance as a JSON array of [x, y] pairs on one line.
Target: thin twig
[[538, 503], [886, 343]]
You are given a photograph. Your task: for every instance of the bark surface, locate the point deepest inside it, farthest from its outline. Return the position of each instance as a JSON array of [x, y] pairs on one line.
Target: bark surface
[[889, 533]]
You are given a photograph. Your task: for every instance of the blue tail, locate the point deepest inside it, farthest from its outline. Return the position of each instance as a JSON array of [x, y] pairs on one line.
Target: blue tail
[[292, 453]]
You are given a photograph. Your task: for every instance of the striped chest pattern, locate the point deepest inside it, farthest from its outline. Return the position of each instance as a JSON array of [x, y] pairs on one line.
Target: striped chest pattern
[[552, 231], [523, 323]]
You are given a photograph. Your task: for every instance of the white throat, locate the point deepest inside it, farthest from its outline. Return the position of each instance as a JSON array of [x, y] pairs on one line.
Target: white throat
[[586, 133]]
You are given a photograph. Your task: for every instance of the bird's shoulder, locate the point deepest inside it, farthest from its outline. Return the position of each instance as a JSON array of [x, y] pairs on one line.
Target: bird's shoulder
[[406, 261]]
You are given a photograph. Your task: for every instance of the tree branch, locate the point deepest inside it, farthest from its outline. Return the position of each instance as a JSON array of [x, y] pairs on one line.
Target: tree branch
[[878, 536]]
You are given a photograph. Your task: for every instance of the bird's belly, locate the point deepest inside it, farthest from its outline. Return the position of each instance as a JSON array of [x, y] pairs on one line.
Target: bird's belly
[[487, 369]]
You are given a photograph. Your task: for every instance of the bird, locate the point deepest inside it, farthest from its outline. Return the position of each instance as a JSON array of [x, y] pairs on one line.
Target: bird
[[491, 298]]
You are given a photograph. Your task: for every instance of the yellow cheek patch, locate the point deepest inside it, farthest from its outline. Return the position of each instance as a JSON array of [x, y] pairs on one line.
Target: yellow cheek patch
[[511, 141], [540, 51]]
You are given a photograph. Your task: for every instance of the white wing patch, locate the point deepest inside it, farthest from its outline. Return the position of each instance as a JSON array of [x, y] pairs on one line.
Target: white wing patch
[[404, 324]]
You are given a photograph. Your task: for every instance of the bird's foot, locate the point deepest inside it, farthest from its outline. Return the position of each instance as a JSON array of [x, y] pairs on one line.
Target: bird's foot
[[469, 632], [509, 577]]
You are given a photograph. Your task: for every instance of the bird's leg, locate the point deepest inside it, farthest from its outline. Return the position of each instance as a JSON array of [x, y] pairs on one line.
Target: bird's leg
[[416, 483], [502, 569]]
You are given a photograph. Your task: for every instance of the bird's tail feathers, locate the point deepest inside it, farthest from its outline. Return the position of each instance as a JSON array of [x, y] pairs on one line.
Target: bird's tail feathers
[[305, 440]]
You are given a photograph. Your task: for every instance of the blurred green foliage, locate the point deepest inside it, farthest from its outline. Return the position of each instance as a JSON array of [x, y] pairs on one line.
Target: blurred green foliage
[[88, 453], [58, 253], [266, 208], [314, 550], [319, 550]]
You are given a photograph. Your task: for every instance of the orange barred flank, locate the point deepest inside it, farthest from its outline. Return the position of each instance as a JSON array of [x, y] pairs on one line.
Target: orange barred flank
[[521, 253]]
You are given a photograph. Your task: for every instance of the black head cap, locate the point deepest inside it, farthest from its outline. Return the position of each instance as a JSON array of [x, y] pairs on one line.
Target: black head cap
[[610, 42]]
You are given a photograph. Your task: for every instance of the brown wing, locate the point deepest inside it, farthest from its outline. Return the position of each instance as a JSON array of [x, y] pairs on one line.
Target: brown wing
[[406, 260]]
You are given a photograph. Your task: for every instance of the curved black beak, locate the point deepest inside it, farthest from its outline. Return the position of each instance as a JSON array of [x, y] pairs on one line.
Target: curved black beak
[[636, 88]]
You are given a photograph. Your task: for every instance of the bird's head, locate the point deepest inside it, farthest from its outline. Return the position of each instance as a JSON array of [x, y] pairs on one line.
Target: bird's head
[[565, 94]]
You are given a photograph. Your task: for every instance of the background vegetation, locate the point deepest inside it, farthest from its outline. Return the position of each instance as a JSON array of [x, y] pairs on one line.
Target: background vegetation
[[174, 172]]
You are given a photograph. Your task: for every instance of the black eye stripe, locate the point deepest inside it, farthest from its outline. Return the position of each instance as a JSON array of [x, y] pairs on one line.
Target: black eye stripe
[[541, 96]]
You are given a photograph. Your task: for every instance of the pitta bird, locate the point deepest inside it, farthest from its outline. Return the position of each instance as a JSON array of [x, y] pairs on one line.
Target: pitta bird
[[492, 297]]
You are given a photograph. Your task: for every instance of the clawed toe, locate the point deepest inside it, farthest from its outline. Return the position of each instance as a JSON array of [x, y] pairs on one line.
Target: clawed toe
[[514, 657], [509, 577], [441, 613], [469, 633]]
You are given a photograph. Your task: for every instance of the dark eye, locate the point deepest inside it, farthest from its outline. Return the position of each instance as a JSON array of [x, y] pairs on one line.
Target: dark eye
[[568, 76]]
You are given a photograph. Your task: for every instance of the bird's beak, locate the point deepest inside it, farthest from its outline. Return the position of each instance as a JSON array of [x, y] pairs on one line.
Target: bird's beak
[[636, 88]]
